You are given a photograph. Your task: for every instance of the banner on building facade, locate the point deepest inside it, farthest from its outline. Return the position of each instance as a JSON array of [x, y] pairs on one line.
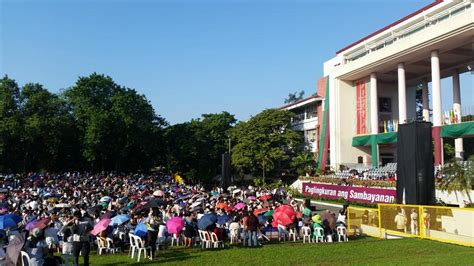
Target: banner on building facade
[[360, 194], [362, 106]]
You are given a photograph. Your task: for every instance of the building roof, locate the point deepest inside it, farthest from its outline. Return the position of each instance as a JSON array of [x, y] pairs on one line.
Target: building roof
[[391, 25], [316, 97]]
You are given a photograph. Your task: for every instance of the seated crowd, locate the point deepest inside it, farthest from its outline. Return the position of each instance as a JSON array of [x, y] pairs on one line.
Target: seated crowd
[[42, 216]]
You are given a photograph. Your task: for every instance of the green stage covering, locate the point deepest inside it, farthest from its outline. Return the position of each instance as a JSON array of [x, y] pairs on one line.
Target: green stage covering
[[464, 129], [368, 140]]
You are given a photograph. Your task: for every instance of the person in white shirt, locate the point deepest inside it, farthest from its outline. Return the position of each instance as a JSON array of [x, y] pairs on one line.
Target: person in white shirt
[[414, 222]]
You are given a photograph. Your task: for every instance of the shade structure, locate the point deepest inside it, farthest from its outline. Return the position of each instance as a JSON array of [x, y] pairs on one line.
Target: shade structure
[[284, 215], [101, 226], [175, 225], [207, 220], [9, 220], [141, 230], [120, 219]]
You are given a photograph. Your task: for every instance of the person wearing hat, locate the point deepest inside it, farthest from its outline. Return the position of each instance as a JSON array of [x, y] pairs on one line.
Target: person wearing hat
[[36, 247]]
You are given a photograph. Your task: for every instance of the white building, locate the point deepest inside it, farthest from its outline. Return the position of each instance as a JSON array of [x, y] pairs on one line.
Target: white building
[[373, 82]]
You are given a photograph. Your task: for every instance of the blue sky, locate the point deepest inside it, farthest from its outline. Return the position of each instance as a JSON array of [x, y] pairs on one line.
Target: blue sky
[[188, 57]]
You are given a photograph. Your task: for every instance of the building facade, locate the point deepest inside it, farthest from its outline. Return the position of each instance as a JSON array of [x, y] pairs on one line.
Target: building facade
[[373, 83]]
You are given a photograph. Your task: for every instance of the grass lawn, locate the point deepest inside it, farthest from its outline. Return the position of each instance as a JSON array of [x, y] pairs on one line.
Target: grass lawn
[[364, 251]]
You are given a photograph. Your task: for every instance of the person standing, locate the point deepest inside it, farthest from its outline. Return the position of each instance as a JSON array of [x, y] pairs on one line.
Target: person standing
[[81, 227], [252, 227], [414, 222], [153, 225]]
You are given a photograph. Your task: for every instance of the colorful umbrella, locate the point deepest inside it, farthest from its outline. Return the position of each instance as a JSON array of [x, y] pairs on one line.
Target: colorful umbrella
[[222, 219], [269, 213], [221, 205], [175, 225], [256, 212], [41, 224], [239, 206], [106, 198], [252, 198], [9, 220], [284, 215], [101, 226], [265, 197], [141, 230], [119, 219], [207, 220]]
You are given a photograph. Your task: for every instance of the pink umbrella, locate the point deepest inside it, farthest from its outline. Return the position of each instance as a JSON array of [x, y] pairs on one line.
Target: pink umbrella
[[239, 206], [252, 198], [101, 226], [175, 225]]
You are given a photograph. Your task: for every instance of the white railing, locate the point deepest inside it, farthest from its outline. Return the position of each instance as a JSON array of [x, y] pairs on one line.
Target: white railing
[[396, 34]]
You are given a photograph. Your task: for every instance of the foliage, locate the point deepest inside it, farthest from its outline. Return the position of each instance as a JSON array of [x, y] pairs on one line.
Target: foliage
[[294, 97], [265, 143], [458, 177], [195, 148], [304, 163]]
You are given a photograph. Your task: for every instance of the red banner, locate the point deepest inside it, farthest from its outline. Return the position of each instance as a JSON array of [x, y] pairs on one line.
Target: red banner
[[361, 107], [360, 194]]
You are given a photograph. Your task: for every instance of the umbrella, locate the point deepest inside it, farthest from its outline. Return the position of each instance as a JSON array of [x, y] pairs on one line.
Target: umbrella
[[239, 206], [265, 197], [158, 193], [221, 205], [106, 198], [284, 215], [269, 213], [252, 198], [236, 191], [256, 212], [195, 204], [175, 225], [329, 220], [9, 220], [141, 230], [3, 210], [107, 215], [62, 205], [101, 226], [317, 219], [154, 203], [119, 219], [222, 219], [207, 220], [41, 224], [307, 212], [13, 249]]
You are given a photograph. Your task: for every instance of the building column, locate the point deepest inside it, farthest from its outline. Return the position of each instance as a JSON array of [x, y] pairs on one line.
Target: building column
[[374, 117], [425, 98], [402, 95], [437, 111], [458, 143]]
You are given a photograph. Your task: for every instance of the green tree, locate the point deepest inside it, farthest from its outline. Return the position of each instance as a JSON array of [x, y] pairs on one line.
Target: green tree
[[304, 162], [10, 125], [294, 97], [458, 177], [264, 142], [194, 148]]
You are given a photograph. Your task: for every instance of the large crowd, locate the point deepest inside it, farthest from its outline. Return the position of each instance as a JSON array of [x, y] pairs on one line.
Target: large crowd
[[43, 215]]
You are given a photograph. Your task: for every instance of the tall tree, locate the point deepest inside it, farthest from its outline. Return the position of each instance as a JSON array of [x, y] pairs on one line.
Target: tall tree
[[10, 125], [294, 97], [264, 141]]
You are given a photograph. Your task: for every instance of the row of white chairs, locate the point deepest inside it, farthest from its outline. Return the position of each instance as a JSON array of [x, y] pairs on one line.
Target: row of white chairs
[[210, 240], [320, 237]]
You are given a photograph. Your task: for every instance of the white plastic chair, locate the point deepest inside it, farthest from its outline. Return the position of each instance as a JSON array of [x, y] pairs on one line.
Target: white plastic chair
[[133, 245], [292, 234], [205, 239], [306, 234], [175, 239], [141, 247], [342, 234], [25, 258], [216, 243], [101, 246], [319, 233], [234, 236], [110, 246]]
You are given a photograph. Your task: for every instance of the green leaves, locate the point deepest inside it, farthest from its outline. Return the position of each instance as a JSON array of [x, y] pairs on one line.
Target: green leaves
[[264, 142]]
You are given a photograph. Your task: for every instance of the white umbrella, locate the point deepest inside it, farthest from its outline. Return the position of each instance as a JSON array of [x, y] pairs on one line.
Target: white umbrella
[[236, 190], [195, 204], [62, 205]]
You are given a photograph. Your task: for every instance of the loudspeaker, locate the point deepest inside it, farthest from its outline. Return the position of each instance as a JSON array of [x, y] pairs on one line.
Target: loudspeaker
[[225, 176], [415, 167]]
